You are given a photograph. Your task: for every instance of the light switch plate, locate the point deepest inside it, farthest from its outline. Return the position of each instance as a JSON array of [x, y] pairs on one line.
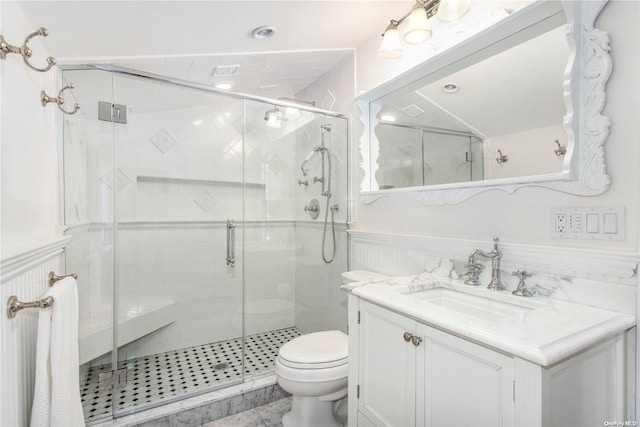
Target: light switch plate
[[601, 223]]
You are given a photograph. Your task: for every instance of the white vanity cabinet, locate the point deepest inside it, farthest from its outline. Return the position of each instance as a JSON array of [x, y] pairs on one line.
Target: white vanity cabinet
[[412, 374], [404, 372]]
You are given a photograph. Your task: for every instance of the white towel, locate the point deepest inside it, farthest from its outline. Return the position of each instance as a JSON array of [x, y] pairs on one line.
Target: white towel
[[56, 400]]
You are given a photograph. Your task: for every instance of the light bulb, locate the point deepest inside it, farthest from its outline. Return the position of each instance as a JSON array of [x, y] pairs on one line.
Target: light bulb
[[452, 10], [391, 47], [419, 29]]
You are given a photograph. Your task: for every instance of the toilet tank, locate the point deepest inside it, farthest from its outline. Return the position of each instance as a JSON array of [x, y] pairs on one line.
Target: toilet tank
[[361, 276]]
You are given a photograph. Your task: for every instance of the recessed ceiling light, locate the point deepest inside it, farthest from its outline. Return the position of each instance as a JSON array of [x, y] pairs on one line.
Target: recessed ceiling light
[[450, 88], [388, 118], [264, 32], [224, 85]]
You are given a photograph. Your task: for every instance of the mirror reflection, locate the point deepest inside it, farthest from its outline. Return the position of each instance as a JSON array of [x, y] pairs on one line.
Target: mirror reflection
[[498, 118]]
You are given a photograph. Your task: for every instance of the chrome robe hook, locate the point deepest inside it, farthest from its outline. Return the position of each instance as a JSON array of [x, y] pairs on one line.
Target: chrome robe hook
[[502, 158], [25, 50], [58, 100]]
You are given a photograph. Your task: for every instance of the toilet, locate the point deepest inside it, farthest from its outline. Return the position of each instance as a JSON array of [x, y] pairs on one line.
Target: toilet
[[314, 369]]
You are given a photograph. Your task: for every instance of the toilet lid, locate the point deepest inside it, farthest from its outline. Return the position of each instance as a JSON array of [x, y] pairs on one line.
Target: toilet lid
[[320, 349]]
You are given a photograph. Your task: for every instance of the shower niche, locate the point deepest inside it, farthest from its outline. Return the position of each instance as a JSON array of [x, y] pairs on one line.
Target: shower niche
[[149, 204]]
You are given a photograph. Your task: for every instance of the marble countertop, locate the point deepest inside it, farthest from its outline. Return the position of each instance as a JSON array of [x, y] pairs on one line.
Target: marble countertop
[[540, 329]]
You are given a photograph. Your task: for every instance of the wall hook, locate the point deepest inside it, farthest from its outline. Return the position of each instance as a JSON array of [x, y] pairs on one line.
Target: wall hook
[[58, 100], [502, 158], [25, 50], [561, 150]]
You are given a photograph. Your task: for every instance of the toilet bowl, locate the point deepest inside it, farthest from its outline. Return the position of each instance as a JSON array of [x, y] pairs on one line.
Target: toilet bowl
[[314, 369]]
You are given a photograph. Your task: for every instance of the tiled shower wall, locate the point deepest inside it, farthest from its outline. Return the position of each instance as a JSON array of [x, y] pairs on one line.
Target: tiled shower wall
[[185, 165], [183, 266]]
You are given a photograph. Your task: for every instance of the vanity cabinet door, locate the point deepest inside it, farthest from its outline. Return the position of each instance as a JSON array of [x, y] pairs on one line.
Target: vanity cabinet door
[[461, 383], [386, 367]]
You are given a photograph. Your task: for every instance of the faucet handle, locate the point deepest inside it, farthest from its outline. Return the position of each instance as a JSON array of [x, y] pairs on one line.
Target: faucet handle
[[522, 290], [473, 270], [522, 274], [474, 267]]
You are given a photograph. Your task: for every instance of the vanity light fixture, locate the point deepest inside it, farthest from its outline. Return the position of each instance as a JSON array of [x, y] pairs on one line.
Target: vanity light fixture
[[391, 47], [418, 27]]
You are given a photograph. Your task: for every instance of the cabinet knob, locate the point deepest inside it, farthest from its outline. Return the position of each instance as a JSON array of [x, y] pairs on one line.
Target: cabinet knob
[[408, 336], [416, 340]]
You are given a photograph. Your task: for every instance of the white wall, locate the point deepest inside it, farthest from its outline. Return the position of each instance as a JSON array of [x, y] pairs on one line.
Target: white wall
[[28, 200], [530, 153], [28, 206], [525, 216]]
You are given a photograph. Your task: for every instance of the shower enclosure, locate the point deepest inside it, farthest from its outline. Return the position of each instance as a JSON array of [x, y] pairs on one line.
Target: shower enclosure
[[412, 156], [196, 258]]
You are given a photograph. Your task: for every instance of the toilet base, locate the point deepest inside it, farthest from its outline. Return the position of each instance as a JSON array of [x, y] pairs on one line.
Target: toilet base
[[310, 412]]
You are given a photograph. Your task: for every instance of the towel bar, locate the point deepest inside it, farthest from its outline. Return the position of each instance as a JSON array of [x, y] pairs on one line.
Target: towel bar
[[14, 305], [53, 277]]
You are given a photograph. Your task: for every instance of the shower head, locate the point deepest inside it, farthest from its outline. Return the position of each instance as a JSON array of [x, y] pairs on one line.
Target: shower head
[[326, 127]]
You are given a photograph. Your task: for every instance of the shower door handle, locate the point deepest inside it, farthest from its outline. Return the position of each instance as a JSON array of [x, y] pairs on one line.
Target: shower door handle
[[231, 243]]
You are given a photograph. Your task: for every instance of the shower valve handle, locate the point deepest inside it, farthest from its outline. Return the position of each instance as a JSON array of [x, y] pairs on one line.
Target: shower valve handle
[[313, 208]]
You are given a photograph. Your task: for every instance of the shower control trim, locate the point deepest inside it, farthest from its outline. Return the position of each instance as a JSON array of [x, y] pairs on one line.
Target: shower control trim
[[305, 182], [313, 208]]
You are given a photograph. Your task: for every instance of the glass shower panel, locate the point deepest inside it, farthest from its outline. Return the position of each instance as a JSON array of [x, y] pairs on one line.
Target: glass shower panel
[[289, 289], [179, 214], [270, 244], [446, 158], [319, 301], [476, 146], [88, 212]]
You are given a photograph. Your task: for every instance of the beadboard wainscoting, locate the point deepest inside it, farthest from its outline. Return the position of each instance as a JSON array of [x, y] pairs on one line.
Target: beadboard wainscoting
[[26, 276], [598, 278]]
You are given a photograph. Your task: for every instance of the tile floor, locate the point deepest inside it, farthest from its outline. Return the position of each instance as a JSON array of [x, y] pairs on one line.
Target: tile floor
[[165, 376]]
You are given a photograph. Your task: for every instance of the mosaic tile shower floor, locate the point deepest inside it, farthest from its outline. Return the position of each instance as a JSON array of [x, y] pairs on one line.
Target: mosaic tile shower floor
[[165, 376]]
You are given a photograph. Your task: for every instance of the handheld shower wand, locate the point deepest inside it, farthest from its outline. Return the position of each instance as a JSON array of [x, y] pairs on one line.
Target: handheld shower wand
[[326, 188], [305, 172], [316, 149]]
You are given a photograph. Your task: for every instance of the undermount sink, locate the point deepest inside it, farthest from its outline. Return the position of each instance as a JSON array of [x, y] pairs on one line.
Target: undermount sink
[[470, 305]]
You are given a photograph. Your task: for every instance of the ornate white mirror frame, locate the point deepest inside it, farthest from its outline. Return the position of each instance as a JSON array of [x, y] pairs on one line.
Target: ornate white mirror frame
[[588, 69]]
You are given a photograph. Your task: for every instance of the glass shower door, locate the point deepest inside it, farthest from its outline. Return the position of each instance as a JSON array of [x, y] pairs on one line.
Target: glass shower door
[[178, 238]]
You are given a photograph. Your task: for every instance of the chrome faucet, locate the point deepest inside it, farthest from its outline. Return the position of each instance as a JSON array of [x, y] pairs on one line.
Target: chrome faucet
[[474, 268]]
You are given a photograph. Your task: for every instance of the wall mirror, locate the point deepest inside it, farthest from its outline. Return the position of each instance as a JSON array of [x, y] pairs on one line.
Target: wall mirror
[[515, 105]]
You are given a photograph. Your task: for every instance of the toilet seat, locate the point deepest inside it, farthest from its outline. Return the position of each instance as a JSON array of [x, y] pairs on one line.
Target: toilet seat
[[318, 350]]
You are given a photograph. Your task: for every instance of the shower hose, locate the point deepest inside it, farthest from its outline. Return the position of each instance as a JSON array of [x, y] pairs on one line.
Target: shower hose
[[326, 215]]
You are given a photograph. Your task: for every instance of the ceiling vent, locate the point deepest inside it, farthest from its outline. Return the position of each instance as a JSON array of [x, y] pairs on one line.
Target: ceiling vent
[[412, 110], [225, 70]]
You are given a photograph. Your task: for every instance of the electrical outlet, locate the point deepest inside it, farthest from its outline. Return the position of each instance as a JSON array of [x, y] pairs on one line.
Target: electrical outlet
[[589, 223], [560, 222]]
